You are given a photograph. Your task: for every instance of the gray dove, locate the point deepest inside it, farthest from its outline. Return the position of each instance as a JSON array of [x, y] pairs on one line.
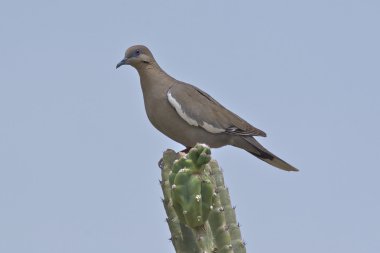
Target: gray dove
[[188, 115]]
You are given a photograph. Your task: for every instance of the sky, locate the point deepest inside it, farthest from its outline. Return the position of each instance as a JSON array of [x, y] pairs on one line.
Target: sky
[[78, 156]]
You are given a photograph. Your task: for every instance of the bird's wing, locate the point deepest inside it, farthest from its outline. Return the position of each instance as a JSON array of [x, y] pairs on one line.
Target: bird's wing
[[198, 108]]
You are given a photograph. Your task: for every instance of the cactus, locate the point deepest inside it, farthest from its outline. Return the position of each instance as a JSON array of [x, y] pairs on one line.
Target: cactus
[[191, 188], [200, 216]]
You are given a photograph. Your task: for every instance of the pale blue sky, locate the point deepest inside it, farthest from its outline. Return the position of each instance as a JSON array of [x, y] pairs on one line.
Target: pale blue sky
[[78, 156]]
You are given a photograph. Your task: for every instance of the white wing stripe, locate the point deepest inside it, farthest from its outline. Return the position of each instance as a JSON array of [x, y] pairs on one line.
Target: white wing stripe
[[177, 106], [179, 110], [210, 128]]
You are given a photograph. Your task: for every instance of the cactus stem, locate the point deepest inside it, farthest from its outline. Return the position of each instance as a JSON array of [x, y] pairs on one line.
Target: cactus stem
[[197, 204]]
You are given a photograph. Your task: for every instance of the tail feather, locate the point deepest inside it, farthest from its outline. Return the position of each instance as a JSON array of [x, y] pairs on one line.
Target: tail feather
[[255, 148]]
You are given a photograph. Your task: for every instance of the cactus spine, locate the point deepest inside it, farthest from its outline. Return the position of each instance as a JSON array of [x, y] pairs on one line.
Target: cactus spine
[[197, 203]]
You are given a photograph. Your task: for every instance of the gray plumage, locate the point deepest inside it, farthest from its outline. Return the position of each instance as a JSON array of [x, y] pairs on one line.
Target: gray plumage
[[189, 115]]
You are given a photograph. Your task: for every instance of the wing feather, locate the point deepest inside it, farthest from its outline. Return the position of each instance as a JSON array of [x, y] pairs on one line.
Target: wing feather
[[198, 108]]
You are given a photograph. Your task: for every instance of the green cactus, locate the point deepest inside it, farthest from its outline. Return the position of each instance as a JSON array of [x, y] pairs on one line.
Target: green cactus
[[200, 216], [223, 218], [191, 188]]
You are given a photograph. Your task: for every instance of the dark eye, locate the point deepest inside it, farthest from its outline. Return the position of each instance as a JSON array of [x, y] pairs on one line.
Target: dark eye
[[137, 52]]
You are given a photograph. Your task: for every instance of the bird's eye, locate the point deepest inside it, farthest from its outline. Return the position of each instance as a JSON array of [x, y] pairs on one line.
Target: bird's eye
[[137, 52]]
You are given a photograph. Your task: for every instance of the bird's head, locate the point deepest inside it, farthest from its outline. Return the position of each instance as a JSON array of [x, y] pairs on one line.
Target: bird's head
[[137, 56]]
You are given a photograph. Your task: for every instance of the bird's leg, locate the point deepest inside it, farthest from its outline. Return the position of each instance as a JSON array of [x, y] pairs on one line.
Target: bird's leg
[[186, 150]]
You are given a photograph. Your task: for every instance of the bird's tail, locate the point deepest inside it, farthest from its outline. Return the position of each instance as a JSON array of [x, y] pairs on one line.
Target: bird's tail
[[252, 146]]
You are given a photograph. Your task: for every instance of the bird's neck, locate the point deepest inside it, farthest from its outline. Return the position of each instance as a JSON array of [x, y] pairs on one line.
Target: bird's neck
[[153, 78], [148, 68]]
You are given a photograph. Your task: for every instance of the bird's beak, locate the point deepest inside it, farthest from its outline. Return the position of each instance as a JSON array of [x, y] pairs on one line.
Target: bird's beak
[[121, 63]]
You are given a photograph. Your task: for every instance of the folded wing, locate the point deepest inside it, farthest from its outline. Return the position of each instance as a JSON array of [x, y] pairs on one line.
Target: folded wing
[[198, 108]]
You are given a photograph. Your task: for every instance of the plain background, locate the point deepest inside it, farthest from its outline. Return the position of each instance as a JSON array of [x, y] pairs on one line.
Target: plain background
[[78, 156]]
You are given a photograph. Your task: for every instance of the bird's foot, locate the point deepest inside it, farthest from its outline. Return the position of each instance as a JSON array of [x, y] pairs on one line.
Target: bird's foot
[[161, 164], [186, 150]]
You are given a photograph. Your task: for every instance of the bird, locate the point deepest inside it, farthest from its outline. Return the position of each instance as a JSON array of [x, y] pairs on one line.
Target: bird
[[188, 115]]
